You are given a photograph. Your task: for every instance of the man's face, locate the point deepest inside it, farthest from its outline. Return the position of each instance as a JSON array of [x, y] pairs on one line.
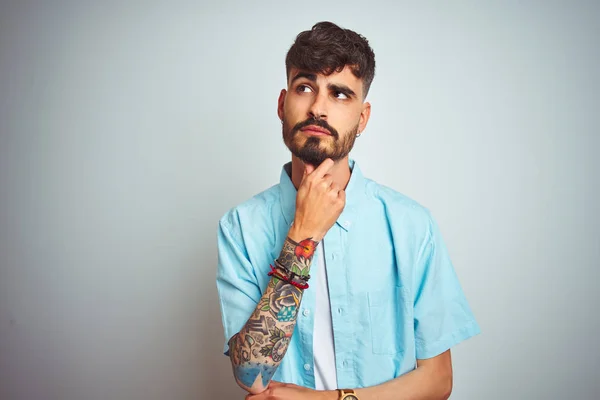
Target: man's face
[[322, 114]]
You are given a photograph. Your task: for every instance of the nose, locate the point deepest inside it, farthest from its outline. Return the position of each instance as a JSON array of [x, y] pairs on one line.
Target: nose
[[318, 109]]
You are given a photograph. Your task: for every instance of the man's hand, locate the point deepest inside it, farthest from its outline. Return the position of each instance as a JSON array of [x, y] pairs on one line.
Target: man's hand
[[319, 203], [288, 391]]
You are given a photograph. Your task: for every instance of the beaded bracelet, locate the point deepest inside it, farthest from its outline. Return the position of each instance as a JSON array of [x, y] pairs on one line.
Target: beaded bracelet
[[280, 265], [292, 276], [287, 279]]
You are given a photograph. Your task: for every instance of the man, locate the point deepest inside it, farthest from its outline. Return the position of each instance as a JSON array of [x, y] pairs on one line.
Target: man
[[331, 285]]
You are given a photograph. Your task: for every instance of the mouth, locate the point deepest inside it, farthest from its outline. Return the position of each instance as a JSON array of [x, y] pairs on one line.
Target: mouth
[[315, 130]]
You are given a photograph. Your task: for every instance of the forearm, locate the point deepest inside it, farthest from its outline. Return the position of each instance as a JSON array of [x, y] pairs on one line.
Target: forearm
[[427, 382], [257, 350], [420, 384]]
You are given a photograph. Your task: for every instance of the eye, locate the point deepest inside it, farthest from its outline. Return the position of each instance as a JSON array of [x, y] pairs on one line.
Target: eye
[[340, 95], [303, 89]]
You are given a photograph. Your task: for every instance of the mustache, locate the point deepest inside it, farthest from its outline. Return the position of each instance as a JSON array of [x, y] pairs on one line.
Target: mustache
[[317, 122]]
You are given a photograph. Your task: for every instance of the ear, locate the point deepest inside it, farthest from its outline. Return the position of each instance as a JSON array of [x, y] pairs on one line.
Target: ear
[[364, 116], [281, 103]]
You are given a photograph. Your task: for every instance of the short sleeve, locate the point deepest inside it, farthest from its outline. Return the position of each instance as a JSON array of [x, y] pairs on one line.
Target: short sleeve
[[442, 316], [237, 286]]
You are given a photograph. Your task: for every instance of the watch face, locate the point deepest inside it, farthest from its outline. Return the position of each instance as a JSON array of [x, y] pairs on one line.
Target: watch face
[[350, 397]]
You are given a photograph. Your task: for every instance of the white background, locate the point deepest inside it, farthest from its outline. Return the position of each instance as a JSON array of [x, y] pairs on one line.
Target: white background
[[128, 130]]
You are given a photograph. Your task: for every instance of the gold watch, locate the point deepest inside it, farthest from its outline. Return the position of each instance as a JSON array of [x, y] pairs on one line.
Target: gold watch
[[347, 394]]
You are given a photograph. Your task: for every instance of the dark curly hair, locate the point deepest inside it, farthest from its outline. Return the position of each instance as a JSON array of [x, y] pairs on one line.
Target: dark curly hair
[[327, 48]]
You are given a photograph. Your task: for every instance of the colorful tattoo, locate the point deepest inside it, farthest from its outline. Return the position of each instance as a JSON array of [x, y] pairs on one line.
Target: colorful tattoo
[[248, 373], [297, 257], [284, 301], [258, 325], [268, 332]]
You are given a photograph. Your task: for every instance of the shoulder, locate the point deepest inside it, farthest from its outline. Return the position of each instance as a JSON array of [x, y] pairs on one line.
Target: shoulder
[[400, 208], [396, 201]]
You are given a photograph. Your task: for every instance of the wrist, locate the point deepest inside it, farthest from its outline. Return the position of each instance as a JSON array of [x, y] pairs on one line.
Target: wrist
[[297, 234], [296, 257]]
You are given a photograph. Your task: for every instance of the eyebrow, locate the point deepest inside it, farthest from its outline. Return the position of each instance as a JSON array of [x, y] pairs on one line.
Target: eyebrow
[[333, 87], [308, 75]]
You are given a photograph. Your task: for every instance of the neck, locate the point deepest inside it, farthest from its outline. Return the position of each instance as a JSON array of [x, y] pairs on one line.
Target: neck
[[340, 172]]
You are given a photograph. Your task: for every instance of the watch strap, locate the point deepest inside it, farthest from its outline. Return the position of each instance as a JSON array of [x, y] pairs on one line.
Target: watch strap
[[344, 392]]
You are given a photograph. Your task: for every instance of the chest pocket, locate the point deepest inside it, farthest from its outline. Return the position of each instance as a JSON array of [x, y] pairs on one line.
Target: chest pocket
[[390, 319]]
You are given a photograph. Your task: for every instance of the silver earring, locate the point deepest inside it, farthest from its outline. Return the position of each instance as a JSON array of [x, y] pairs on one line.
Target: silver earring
[[358, 134]]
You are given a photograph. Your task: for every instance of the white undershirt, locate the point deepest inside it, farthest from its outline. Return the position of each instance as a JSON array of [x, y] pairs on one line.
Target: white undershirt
[[323, 346]]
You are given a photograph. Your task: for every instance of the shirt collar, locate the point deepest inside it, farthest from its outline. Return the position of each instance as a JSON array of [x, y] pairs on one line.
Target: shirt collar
[[355, 192]]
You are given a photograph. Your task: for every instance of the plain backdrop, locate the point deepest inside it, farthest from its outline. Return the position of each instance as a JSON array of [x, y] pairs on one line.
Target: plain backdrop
[[128, 129]]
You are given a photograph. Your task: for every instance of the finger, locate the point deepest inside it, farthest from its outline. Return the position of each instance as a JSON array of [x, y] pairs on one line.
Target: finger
[[327, 180], [308, 169], [275, 383], [323, 168]]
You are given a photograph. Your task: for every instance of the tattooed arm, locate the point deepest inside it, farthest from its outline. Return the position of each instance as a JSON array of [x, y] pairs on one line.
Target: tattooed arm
[[257, 350]]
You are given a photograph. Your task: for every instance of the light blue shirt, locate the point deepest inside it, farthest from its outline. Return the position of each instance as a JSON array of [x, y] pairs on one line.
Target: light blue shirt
[[394, 294]]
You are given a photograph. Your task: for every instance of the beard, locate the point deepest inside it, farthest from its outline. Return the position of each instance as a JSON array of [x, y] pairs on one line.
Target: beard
[[315, 149]]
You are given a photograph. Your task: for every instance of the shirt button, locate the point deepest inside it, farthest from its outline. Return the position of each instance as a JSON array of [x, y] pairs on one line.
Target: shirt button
[[345, 363], [333, 256], [307, 367], [347, 224], [306, 312], [340, 310]]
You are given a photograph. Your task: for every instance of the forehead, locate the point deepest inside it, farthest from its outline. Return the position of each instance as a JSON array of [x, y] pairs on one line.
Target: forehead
[[344, 77]]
